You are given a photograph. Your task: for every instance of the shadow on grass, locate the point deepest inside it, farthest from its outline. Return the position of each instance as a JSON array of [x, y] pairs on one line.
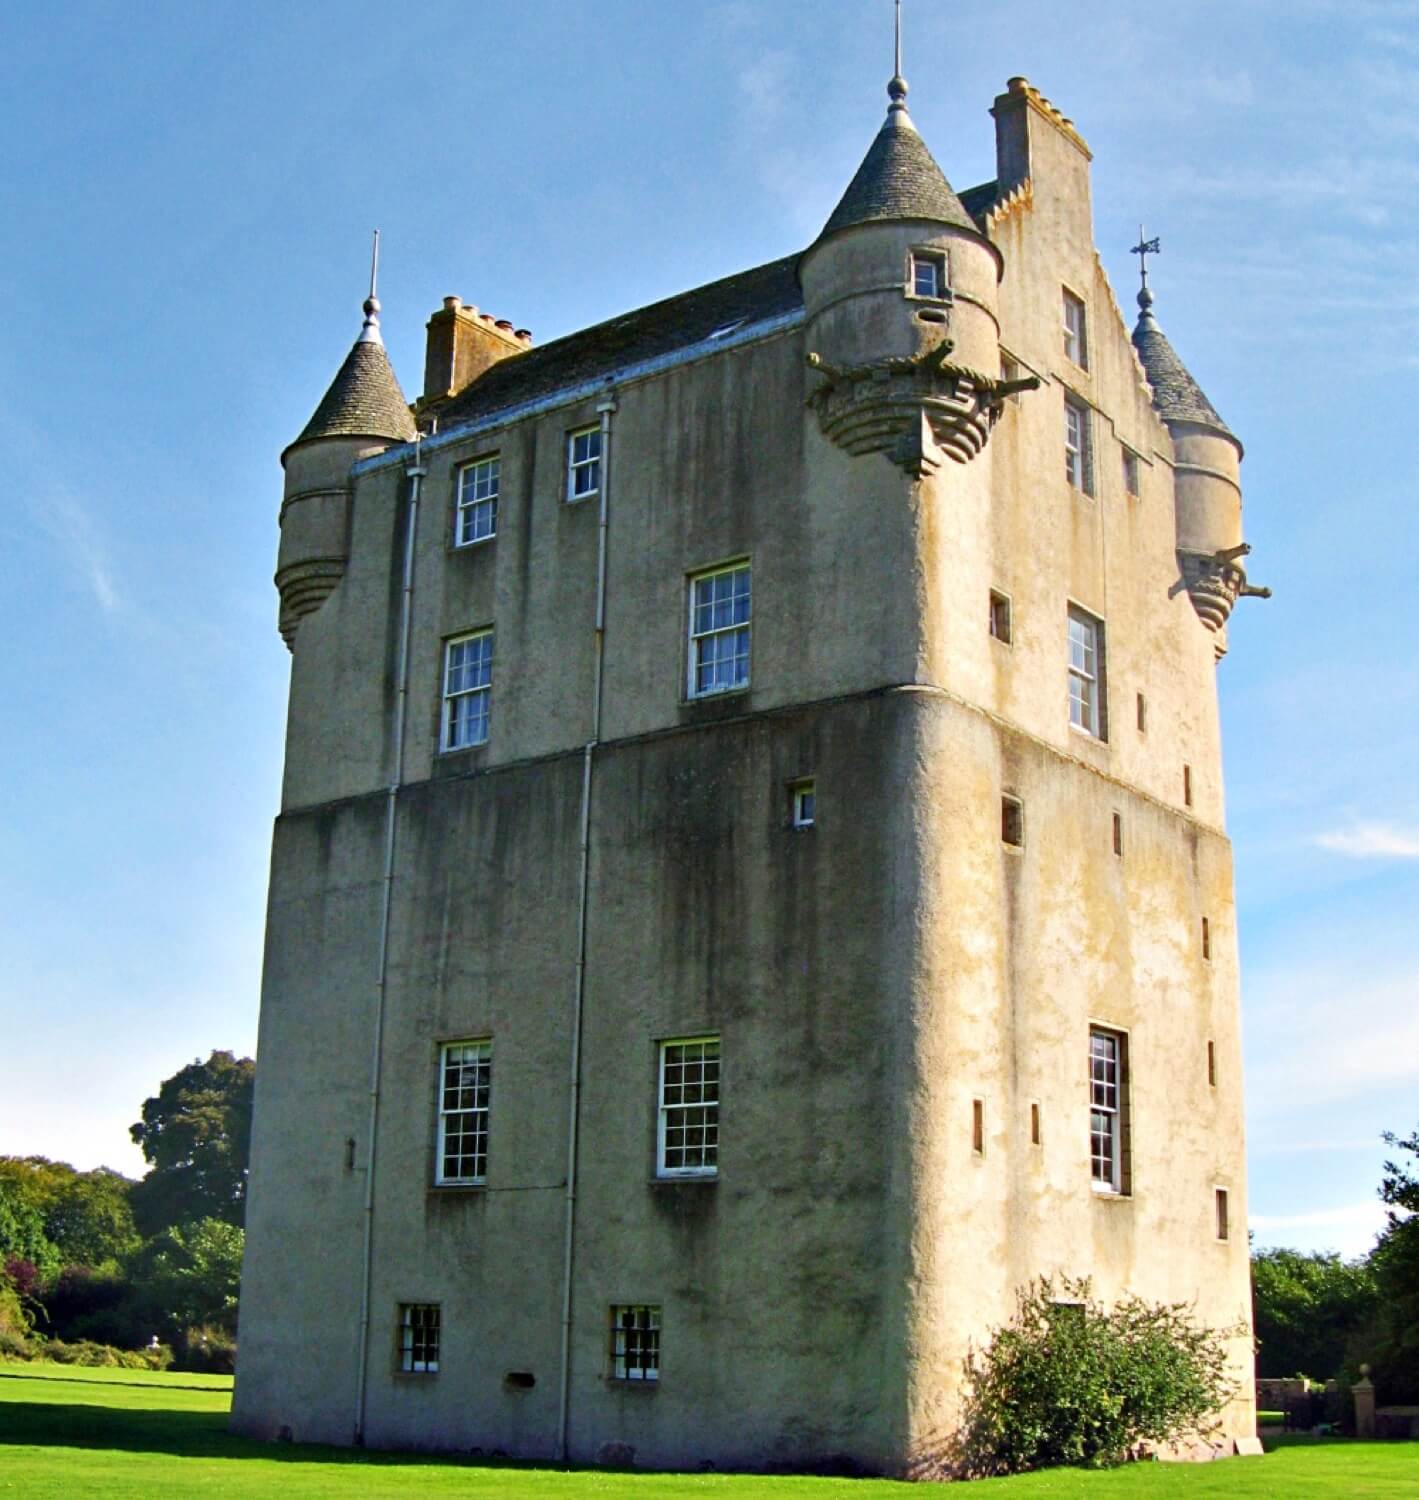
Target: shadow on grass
[[189, 1434], [116, 1385]]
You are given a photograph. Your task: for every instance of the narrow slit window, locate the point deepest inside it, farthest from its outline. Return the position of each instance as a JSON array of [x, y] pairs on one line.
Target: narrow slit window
[[1000, 617], [1118, 834], [1187, 786], [802, 803], [1206, 939], [1142, 714], [1223, 1221], [1034, 1124], [1212, 1065], [978, 1126], [1012, 821]]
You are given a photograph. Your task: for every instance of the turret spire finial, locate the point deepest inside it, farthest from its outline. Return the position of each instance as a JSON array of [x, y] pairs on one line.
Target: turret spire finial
[[1143, 249], [369, 334], [897, 88]]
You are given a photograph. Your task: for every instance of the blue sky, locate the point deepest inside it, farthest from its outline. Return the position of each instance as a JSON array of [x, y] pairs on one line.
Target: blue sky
[[185, 207]]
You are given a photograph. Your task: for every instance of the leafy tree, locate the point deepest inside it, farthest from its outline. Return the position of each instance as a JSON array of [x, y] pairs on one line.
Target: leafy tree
[[1070, 1381], [196, 1136], [192, 1274], [86, 1215], [1395, 1260], [1307, 1306], [22, 1236]]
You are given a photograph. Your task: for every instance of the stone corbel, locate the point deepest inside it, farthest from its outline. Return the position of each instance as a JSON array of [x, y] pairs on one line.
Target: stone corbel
[[1215, 581]]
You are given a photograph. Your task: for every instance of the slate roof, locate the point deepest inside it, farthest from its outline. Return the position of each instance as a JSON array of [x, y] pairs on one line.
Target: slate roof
[[364, 400], [1176, 395], [593, 353], [898, 179]]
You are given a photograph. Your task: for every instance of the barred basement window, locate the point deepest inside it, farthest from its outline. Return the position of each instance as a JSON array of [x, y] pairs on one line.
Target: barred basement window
[[687, 1131], [419, 1338], [467, 690], [720, 607], [1107, 1096], [583, 463], [635, 1343], [465, 1084], [478, 501]]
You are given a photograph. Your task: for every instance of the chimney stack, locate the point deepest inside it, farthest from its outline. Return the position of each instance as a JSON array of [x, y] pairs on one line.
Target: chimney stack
[[462, 343]]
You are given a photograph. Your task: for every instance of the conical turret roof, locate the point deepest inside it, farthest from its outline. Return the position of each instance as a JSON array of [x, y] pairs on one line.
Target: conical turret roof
[[364, 399], [898, 178], [1176, 395]]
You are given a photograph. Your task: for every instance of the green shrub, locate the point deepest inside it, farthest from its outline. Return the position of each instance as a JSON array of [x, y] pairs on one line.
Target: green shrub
[[208, 1350], [1070, 1381], [86, 1353]]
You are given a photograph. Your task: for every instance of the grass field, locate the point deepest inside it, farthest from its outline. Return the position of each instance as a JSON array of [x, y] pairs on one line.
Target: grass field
[[132, 1435]]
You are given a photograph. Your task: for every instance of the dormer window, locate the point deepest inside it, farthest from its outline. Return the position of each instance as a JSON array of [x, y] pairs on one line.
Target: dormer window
[[928, 274]]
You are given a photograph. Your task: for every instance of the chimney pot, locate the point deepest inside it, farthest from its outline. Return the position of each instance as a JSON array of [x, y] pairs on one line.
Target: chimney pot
[[451, 304], [505, 325]]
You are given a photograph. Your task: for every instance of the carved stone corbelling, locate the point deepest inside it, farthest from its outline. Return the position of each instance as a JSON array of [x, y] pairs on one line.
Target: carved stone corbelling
[[1215, 581], [917, 409], [304, 587]]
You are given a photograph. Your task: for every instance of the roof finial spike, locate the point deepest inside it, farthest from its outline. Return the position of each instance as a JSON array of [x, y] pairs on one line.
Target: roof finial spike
[[897, 88], [369, 334], [1143, 249]]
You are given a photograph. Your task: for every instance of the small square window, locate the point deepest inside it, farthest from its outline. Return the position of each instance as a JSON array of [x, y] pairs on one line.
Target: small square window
[[1076, 343], [1078, 446], [1012, 821], [419, 1338], [583, 463], [478, 484], [1224, 1227], [687, 1132], [1000, 617], [635, 1343], [928, 269], [720, 607], [802, 801], [467, 690], [1130, 473]]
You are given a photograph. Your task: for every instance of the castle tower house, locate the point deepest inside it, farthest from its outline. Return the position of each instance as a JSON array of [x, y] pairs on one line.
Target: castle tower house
[[751, 889]]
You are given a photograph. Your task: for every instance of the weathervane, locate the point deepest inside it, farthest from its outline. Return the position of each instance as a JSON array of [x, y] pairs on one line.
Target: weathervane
[[899, 38], [1143, 249]]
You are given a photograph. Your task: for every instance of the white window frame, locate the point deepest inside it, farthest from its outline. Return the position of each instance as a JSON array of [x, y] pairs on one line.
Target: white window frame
[[457, 1117], [1078, 445], [674, 1113], [414, 1321], [457, 707], [803, 802], [1076, 329], [938, 263], [635, 1342], [1108, 1084], [476, 513], [1086, 674], [706, 636], [584, 472]]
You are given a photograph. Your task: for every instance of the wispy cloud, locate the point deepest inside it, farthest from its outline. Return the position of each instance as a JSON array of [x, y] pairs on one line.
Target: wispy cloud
[[1371, 841], [72, 529], [1350, 1228]]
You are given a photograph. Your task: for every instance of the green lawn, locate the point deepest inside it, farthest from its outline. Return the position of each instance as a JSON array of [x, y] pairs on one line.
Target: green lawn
[[133, 1435]]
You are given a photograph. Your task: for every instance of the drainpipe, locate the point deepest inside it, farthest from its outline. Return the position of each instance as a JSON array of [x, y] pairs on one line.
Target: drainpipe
[[606, 408], [415, 473]]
